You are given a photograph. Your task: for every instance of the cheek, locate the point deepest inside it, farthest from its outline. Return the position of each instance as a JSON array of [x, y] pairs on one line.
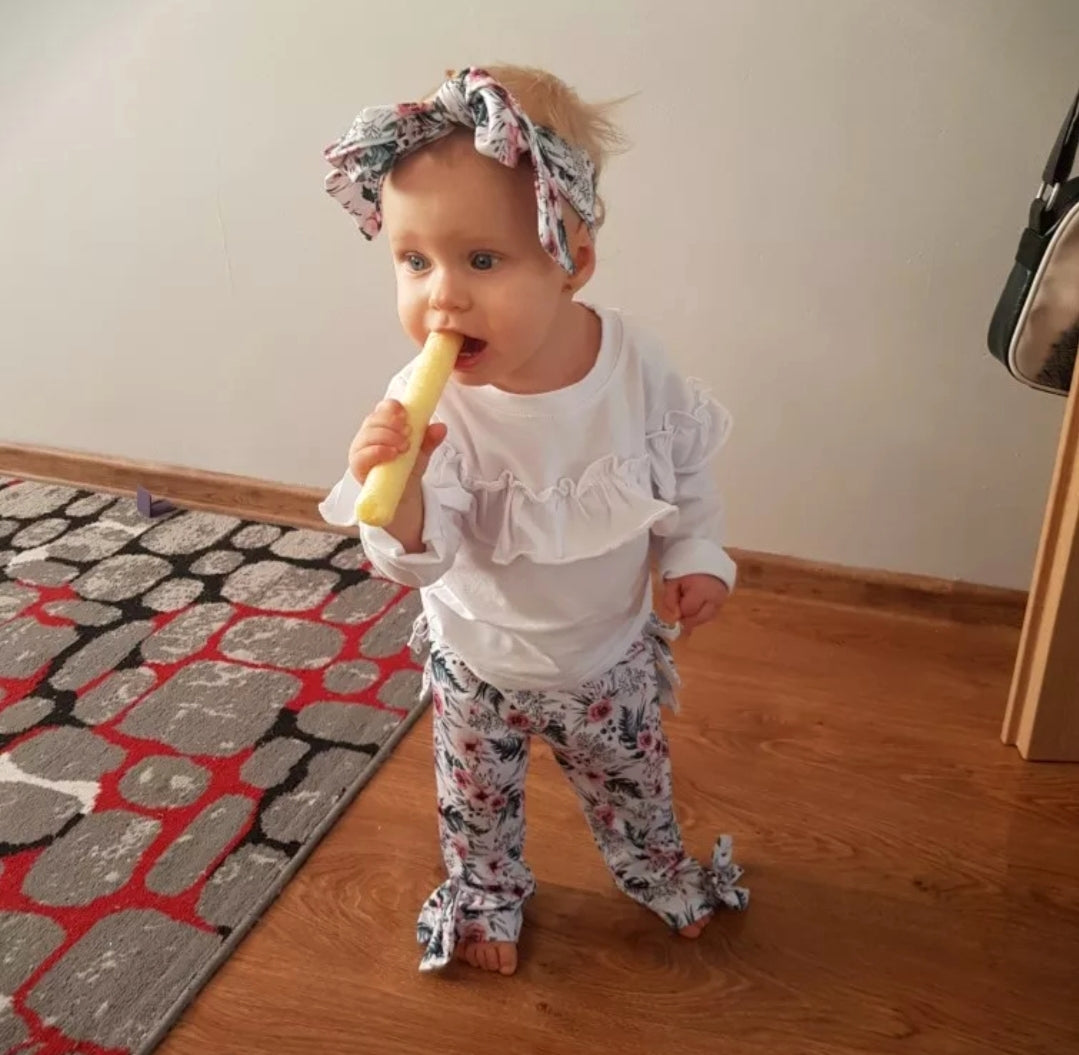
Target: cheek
[[542, 306], [535, 302], [410, 307]]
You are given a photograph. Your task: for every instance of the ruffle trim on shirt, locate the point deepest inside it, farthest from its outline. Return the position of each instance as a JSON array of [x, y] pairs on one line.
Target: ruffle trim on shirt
[[610, 504], [687, 440]]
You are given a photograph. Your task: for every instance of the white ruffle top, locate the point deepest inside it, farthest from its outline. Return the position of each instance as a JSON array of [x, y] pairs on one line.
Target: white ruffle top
[[541, 512]]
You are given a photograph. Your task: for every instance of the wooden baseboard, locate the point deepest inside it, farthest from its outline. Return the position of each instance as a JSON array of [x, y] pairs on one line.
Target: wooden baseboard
[[298, 506], [922, 595], [191, 488]]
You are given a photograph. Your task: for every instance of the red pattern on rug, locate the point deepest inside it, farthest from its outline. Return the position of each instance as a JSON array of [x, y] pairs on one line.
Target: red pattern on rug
[[224, 771]]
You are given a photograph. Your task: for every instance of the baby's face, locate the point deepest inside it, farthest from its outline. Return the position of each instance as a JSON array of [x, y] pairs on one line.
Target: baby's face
[[467, 255]]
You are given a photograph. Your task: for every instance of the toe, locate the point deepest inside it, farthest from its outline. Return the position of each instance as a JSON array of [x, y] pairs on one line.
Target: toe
[[498, 957], [695, 930], [507, 959]]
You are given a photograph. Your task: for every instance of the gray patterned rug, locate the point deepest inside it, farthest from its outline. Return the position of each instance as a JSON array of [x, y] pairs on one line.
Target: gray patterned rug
[[186, 706]]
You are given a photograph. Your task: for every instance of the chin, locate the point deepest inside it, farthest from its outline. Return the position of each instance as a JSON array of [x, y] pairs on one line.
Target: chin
[[470, 378]]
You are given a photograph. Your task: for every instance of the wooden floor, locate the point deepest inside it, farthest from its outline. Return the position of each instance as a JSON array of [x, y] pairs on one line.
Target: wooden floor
[[915, 884]]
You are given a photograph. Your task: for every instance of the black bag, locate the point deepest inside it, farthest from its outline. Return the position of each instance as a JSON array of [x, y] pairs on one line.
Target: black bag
[[1035, 328]]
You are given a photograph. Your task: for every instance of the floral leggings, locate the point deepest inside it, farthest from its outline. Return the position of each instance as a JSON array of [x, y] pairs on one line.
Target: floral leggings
[[609, 741]]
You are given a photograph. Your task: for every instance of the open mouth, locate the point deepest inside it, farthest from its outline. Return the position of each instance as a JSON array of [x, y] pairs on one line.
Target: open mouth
[[470, 351]]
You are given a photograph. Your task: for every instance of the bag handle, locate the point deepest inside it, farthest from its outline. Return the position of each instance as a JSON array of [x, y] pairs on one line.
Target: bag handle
[[1059, 166]]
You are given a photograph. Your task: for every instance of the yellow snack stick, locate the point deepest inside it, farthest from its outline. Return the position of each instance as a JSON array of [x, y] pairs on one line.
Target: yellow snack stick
[[385, 483]]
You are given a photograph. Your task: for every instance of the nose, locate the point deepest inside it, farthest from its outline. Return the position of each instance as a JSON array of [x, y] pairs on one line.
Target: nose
[[448, 291]]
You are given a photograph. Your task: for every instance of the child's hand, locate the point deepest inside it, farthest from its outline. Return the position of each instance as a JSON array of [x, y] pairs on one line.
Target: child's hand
[[694, 599], [384, 436]]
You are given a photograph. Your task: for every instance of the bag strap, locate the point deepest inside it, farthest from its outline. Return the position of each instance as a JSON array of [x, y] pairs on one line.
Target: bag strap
[[1059, 166], [1057, 169], [1063, 155]]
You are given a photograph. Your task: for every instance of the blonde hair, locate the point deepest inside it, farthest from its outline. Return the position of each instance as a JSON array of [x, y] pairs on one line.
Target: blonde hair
[[550, 102]]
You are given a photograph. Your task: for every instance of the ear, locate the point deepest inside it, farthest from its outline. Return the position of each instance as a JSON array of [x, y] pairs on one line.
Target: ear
[[584, 262]]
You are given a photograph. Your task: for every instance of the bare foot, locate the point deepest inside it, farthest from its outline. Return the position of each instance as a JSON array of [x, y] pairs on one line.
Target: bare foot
[[695, 930], [496, 956]]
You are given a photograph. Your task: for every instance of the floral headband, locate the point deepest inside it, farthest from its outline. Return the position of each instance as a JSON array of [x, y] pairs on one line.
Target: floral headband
[[382, 135]]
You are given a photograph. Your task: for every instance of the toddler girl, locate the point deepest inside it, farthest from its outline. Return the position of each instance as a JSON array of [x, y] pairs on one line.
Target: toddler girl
[[566, 455]]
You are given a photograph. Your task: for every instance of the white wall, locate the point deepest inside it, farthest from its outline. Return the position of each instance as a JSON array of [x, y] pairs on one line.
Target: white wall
[[819, 211]]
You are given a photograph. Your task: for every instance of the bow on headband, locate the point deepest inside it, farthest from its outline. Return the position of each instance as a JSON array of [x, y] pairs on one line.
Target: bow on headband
[[382, 135]]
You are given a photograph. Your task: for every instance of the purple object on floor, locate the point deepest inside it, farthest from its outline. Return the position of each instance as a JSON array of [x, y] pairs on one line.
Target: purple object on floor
[[151, 507]]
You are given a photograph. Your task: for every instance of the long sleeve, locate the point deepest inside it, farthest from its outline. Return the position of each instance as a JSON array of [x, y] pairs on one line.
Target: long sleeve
[[692, 429], [445, 505]]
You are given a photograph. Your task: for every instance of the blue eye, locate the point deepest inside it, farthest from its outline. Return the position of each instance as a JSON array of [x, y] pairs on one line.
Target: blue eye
[[483, 261], [415, 262]]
